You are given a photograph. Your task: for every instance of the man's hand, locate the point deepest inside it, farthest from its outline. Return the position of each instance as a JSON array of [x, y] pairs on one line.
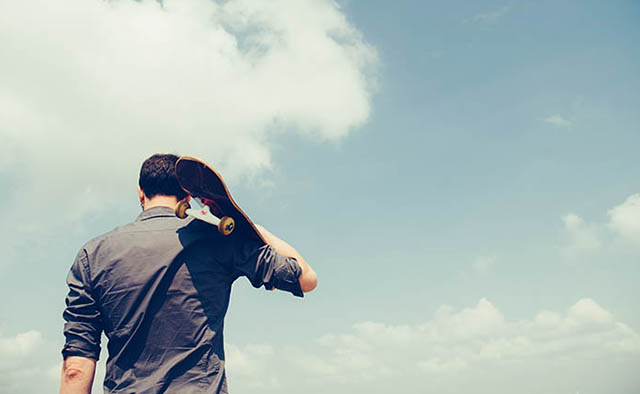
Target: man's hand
[[77, 375], [308, 279]]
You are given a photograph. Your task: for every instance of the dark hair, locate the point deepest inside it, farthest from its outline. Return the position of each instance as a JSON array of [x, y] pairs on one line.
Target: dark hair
[[158, 176]]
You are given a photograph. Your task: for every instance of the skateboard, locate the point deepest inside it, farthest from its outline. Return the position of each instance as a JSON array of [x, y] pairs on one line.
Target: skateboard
[[205, 185]]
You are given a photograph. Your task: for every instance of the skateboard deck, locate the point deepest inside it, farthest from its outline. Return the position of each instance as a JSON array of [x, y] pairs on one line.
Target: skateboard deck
[[205, 185]]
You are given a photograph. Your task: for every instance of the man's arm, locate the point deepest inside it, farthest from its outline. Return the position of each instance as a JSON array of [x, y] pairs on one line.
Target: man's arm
[[82, 329], [77, 375], [308, 279]]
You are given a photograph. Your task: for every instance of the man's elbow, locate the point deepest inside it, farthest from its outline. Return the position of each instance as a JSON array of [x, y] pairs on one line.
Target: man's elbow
[[74, 374], [77, 372], [308, 281]]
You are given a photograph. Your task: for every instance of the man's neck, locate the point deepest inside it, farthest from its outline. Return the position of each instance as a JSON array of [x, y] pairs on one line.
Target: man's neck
[[160, 201]]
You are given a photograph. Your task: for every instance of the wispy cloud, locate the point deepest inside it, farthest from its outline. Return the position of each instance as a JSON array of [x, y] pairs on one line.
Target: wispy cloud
[[483, 263], [490, 17], [558, 121]]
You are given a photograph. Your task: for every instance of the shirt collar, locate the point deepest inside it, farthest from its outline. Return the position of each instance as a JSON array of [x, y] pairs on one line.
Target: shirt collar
[[159, 211]]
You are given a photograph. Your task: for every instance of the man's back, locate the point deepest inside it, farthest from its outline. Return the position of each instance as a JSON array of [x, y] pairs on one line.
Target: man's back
[[159, 288]]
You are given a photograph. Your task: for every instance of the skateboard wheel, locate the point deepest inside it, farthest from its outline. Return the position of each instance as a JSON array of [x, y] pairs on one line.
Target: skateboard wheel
[[226, 225], [181, 209]]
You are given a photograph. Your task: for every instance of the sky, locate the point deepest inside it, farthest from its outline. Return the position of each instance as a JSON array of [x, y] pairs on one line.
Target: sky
[[463, 177]]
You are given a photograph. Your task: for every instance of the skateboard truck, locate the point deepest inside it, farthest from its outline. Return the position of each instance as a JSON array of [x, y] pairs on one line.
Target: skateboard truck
[[225, 224], [205, 185]]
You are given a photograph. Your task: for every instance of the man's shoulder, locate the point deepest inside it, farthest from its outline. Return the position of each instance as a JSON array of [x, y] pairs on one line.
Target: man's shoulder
[[106, 237], [148, 234]]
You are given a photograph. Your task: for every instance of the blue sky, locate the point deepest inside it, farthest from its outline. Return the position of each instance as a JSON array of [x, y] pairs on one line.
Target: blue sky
[[462, 176]]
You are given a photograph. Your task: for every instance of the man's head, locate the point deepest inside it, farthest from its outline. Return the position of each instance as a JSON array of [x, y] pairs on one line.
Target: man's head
[[158, 178]]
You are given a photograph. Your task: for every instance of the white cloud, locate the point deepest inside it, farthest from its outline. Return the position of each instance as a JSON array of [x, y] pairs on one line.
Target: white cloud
[[583, 237], [476, 345], [453, 351], [88, 89], [31, 364], [54, 372], [491, 17], [483, 263], [624, 219], [558, 121], [20, 345], [22, 363], [586, 311], [251, 361], [437, 366]]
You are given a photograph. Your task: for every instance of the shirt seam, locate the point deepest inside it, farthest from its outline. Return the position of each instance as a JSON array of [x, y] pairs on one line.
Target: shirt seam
[[84, 260]]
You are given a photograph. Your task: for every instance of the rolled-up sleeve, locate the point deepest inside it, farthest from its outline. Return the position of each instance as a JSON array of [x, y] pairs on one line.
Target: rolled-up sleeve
[[262, 265], [83, 322]]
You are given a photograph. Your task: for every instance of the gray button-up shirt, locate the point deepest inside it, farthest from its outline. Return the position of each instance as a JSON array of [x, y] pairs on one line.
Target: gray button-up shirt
[[159, 289]]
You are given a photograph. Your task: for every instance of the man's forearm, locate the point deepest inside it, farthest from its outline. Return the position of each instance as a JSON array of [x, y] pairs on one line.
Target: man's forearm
[[308, 278], [77, 375]]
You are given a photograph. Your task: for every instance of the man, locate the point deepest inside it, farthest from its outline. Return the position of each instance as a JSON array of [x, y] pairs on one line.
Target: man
[[159, 288]]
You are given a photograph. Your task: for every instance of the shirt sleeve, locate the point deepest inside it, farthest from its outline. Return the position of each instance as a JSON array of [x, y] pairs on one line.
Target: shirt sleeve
[[83, 322], [262, 265]]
